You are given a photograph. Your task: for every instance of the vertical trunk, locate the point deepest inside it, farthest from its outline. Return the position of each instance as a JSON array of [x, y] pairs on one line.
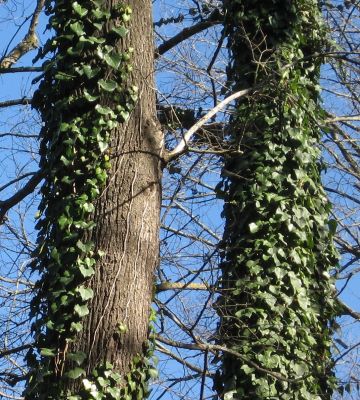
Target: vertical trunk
[[93, 312], [277, 292], [127, 218]]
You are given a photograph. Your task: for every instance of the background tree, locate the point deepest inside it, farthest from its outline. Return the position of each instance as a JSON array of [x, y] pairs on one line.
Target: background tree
[[191, 78], [277, 296]]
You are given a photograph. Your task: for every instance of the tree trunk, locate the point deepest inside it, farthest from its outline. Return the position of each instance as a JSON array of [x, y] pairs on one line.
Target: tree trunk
[[87, 93], [127, 218], [278, 250]]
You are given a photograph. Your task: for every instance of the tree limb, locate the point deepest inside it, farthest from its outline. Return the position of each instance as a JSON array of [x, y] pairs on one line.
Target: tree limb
[[163, 286], [182, 146], [20, 69], [214, 18], [30, 186], [17, 102], [348, 310], [29, 42]]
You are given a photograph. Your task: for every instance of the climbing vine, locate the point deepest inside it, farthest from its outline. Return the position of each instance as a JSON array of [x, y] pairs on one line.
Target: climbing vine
[[277, 291], [82, 97]]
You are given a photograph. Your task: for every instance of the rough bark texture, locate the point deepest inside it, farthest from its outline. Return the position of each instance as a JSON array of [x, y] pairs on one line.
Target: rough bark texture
[[127, 218]]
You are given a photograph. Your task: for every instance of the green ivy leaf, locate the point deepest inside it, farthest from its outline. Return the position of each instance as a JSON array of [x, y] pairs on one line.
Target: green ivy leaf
[[76, 327], [90, 72], [85, 293], [253, 227], [79, 357], [81, 310], [90, 97], [153, 373], [77, 28], [86, 272], [114, 392], [121, 31], [80, 11], [108, 85], [103, 110], [113, 60], [75, 373], [48, 352]]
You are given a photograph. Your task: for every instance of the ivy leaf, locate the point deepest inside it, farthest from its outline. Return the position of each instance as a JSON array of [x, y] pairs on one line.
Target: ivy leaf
[[82, 246], [230, 395], [120, 31], [81, 311], [88, 207], [85, 293], [90, 72], [80, 11], [48, 352], [103, 146], [90, 97], [108, 85], [153, 373], [77, 28], [103, 110], [77, 50], [99, 14], [86, 272], [101, 253], [79, 357], [247, 370], [65, 161], [75, 373], [113, 60], [253, 227], [76, 326], [124, 115]]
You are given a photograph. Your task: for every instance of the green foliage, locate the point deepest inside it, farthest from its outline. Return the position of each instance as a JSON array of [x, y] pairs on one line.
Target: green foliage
[[82, 96], [278, 250]]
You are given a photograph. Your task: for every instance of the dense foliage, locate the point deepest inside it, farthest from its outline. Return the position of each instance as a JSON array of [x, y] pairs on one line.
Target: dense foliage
[[277, 293]]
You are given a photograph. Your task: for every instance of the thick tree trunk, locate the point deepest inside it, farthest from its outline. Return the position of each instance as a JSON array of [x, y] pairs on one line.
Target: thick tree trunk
[[127, 218], [76, 143], [278, 251]]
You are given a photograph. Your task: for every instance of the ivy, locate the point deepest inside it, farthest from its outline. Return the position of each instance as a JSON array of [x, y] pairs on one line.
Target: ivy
[[82, 96], [278, 250]]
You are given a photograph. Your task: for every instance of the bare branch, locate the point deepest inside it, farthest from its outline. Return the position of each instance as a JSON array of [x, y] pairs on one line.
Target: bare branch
[[163, 286], [214, 19], [30, 186], [28, 43], [20, 69], [182, 146], [17, 102]]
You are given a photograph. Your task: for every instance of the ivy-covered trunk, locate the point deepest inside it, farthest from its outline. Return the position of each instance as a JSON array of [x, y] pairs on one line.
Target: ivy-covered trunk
[[277, 294], [99, 215]]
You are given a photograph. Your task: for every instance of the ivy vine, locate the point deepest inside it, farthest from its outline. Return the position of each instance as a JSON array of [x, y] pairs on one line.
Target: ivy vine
[[82, 97], [277, 291]]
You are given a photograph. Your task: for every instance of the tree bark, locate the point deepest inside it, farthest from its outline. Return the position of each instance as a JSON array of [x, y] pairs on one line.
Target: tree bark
[[127, 218]]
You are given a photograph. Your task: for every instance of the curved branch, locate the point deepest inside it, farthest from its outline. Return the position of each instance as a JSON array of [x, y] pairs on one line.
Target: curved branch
[[182, 146]]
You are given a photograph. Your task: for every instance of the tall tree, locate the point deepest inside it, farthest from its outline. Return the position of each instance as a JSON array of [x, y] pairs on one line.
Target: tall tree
[[191, 80], [99, 216], [277, 295]]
